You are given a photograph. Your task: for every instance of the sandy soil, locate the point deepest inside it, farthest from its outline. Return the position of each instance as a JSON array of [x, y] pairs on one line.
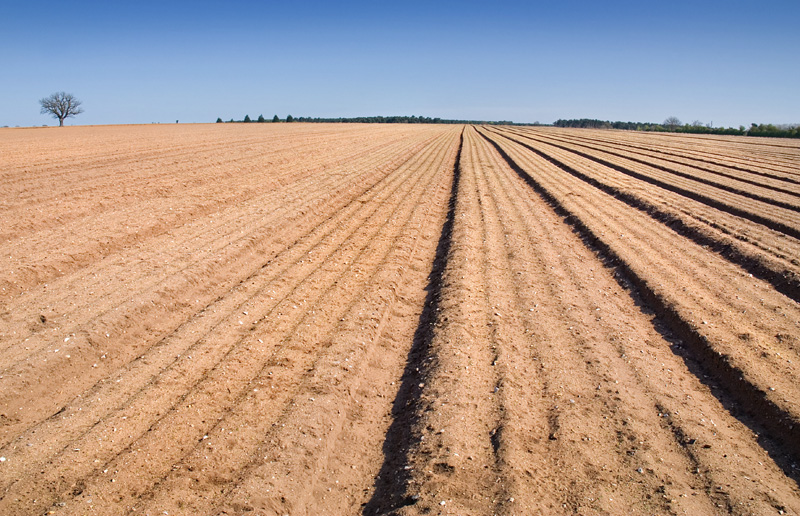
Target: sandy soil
[[365, 319]]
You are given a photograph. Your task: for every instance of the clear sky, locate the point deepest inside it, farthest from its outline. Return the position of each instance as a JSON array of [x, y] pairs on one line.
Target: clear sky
[[728, 62]]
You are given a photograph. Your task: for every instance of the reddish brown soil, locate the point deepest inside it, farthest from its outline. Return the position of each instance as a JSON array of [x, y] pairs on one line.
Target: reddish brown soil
[[364, 319]]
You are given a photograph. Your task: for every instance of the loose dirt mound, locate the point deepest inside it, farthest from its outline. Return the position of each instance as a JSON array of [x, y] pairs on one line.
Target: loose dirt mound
[[352, 319]]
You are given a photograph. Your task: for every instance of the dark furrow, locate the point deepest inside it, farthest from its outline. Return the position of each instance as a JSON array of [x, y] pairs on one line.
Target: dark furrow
[[150, 288], [708, 182], [164, 339], [663, 168], [784, 281], [714, 203], [269, 283], [738, 152], [780, 425], [617, 366], [754, 141], [687, 156], [390, 483], [356, 202], [249, 468], [518, 215], [242, 392]]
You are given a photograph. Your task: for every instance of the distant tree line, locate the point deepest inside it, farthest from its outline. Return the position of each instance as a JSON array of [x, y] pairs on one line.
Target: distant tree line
[[674, 125], [401, 120], [375, 120], [259, 120], [780, 131], [671, 124]]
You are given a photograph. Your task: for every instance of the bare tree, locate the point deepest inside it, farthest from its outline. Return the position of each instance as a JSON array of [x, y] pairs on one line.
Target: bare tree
[[61, 105], [672, 122]]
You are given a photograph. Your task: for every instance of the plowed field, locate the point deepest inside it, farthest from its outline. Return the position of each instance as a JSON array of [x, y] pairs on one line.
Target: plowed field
[[399, 319]]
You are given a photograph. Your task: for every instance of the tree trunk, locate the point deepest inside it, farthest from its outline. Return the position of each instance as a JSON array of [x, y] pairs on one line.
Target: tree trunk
[[60, 122]]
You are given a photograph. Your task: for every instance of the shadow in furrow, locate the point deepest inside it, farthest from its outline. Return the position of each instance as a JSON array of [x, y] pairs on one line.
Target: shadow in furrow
[[777, 431], [714, 203], [556, 142], [390, 484], [784, 281], [695, 158]]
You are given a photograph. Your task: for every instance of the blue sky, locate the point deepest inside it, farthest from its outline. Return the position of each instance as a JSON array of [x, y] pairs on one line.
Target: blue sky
[[727, 62]]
